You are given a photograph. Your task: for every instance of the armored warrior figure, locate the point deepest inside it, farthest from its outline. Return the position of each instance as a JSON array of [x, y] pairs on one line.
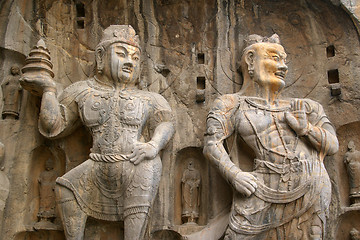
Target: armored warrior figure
[[190, 187], [129, 127], [287, 194], [12, 94], [352, 161]]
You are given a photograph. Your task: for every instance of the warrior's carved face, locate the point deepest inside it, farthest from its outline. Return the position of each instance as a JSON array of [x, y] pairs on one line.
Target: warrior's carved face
[[269, 64], [124, 62]]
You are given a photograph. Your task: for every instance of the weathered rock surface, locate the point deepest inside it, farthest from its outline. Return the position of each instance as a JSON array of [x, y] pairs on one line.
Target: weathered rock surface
[[190, 56]]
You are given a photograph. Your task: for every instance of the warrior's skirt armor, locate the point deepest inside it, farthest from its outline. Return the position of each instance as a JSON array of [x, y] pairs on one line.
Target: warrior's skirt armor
[[113, 190]]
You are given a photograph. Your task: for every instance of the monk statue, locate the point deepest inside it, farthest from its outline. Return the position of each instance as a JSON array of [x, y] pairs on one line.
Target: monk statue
[[47, 201], [352, 161], [287, 193], [190, 188], [129, 127], [12, 94]]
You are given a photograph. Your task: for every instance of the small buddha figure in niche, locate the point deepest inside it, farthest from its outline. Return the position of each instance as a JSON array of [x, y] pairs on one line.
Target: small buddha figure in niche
[[129, 128], [352, 161], [287, 195], [190, 188], [47, 202], [11, 94]]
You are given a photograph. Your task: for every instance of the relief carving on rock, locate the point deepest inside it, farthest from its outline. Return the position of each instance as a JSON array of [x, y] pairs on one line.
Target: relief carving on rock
[[190, 188], [288, 192], [12, 92], [129, 127], [47, 204], [352, 161]]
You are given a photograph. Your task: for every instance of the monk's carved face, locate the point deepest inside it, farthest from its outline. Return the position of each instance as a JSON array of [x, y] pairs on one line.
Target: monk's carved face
[[124, 61], [269, 66]]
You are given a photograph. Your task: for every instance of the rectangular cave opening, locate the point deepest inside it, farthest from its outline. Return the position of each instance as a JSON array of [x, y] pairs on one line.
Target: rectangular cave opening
[[201, 58], [200, 83], [80, 24], [333, 76], [330, 51], [80, 10]]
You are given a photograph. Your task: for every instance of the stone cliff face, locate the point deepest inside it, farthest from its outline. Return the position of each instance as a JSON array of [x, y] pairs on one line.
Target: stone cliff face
[[190, 55]]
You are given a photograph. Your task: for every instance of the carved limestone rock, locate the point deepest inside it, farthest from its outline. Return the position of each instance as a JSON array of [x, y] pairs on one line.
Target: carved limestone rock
[[12, 94], [354, 234], [352, 161], [5, 184], [190, 186], [129, 127], [287, 194], [47, 205]]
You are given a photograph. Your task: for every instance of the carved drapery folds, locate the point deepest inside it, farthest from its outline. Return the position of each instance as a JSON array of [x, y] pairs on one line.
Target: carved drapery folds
[[191, 54], [352, 161], [190, 190], [290, 139], [47, 202], [12, 94]]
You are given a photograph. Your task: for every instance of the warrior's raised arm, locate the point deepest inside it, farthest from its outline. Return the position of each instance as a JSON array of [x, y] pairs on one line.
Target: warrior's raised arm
[[58, 115], [220, 124]]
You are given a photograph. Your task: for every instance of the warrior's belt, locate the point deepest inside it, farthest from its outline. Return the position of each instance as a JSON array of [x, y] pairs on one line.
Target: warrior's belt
[[109, 158]]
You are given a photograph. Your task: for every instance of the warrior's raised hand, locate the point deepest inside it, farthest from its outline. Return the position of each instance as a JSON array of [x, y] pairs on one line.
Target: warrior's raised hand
[[296, 118]]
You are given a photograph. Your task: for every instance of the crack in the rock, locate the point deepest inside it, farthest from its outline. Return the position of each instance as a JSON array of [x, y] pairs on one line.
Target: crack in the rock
[[317, 83]]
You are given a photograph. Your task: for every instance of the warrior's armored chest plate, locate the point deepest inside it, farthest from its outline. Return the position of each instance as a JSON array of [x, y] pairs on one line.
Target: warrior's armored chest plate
[[115, 118], [131, 111], [95, 109], [98, 108]]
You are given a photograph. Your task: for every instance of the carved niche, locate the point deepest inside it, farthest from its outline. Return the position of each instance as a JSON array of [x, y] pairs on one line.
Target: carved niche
[[191, 190]]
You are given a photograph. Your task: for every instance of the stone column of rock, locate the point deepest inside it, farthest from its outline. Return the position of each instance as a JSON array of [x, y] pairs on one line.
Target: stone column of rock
[[5, 184]]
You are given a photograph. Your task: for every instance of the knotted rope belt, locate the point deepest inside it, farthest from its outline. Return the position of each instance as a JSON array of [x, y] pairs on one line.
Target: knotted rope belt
[[108, 158]]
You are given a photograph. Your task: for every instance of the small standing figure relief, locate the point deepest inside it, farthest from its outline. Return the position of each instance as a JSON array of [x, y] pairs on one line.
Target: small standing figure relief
[[352, 161], [47, 205], [190, 186], [354, 234], [12, 94]]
